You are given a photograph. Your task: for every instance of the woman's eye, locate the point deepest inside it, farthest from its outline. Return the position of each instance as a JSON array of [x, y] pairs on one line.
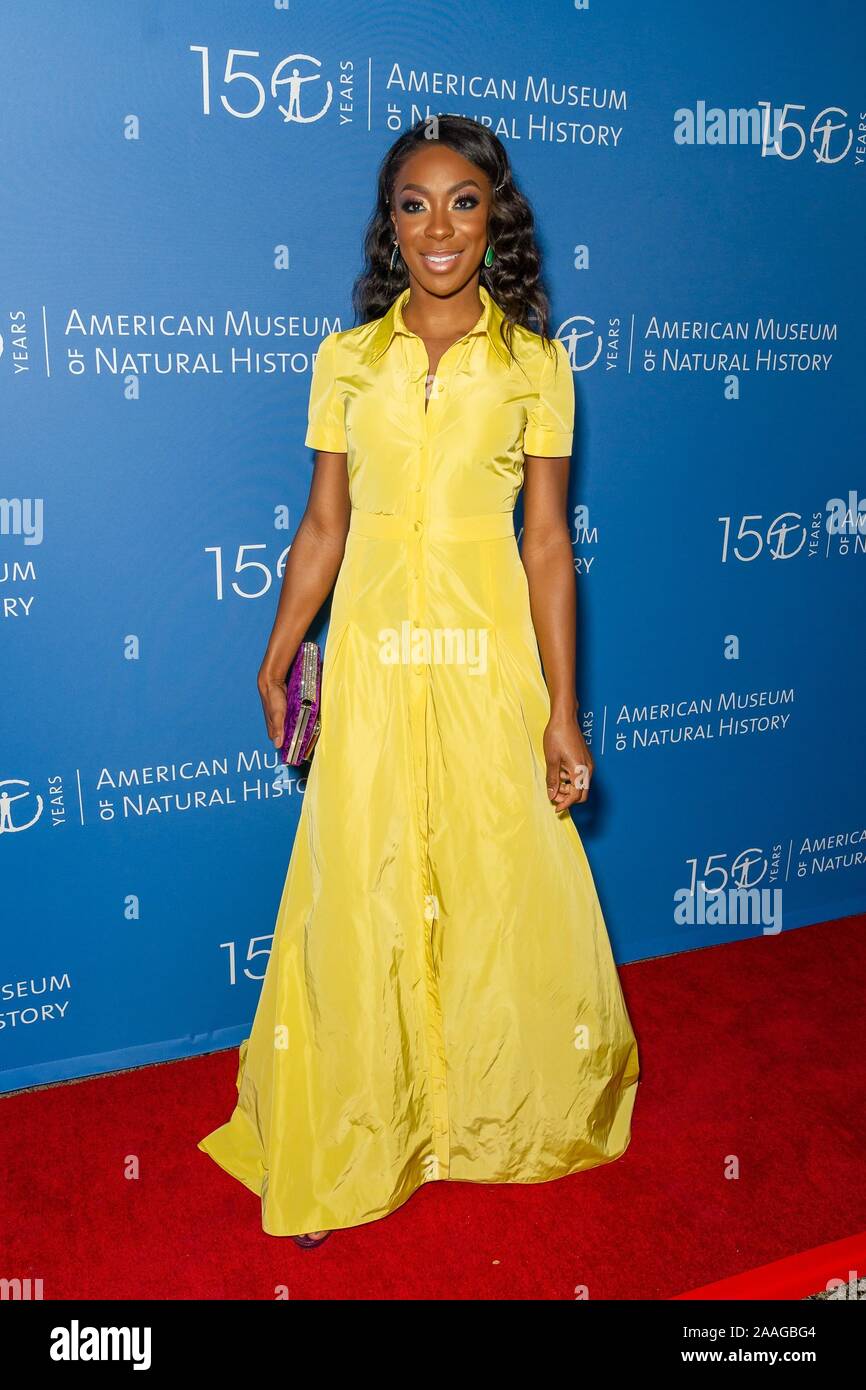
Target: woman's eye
[[464, 203]]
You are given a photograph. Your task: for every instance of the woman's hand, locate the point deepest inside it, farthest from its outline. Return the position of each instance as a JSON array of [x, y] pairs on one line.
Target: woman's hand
[[569, 762], [272, 691]]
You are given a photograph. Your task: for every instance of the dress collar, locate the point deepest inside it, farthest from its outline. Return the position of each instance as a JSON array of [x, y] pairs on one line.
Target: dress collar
[[391, 322]]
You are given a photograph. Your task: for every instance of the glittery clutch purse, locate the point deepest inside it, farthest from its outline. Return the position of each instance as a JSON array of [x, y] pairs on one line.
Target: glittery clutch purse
[[303, 698]]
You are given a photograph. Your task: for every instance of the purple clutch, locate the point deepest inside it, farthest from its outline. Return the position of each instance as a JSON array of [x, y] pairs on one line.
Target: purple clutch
[[303, 697]]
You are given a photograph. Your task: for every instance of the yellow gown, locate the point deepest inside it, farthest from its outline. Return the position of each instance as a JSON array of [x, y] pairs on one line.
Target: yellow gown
[[441, 999]]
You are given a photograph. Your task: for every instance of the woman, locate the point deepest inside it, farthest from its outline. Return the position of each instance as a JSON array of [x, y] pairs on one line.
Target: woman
[[441, 999]]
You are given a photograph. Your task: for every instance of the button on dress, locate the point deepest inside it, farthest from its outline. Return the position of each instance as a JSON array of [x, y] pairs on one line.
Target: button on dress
[[441, 999]]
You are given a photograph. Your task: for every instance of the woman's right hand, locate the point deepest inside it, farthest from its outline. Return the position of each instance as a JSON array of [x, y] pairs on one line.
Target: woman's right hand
[[272, 692]]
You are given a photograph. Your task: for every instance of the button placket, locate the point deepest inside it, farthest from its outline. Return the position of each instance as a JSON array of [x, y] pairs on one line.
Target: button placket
[[419, 696]]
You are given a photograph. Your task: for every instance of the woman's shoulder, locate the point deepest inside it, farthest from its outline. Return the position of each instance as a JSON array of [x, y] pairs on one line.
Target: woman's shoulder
[[350, 346], [533, 352], [362, 333]]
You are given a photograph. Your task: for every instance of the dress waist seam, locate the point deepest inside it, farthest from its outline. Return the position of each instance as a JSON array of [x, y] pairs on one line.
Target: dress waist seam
[[399, 526]]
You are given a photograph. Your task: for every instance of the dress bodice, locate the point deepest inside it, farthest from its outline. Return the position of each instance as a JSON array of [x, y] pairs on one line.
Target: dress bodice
[[464, 454]]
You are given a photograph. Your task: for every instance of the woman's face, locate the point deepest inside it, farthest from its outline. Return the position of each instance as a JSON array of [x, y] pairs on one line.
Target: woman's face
[[441, 204]]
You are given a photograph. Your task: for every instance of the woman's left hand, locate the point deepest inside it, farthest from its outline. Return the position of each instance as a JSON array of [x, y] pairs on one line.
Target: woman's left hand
[[569, 763]]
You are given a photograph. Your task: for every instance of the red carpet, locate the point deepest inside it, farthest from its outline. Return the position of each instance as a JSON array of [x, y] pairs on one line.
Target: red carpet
[[751, 1050], [842, 1261]]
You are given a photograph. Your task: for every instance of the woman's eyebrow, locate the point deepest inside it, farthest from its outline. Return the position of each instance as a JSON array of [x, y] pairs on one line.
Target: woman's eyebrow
[[419, 187]]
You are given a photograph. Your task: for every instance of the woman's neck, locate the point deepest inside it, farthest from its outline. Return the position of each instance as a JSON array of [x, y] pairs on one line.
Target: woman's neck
[[438, 317]]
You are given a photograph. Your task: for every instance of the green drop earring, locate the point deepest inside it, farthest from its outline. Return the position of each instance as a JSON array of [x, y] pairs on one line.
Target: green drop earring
[[489, 257]]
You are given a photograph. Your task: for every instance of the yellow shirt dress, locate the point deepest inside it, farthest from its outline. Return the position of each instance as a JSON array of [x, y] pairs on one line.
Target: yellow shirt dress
[[441, 999]]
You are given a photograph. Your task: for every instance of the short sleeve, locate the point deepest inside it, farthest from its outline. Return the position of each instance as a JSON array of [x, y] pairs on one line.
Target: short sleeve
[[550, 421], [326, 429]]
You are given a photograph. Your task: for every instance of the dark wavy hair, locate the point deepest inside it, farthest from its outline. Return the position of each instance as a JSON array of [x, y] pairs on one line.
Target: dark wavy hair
[[513, 281]]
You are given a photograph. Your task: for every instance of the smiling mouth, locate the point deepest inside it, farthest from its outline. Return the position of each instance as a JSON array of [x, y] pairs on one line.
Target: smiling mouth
[[440, 260]]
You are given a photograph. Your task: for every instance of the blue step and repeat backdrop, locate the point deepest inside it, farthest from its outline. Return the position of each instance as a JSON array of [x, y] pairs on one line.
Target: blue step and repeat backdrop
[[185, 186]]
